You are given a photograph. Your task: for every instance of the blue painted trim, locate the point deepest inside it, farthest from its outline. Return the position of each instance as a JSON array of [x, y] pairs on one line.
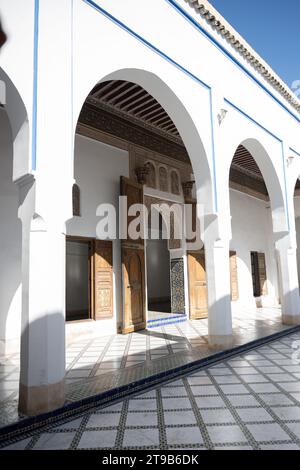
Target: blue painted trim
[[282, 150], [145, 42], [119, 23], [294, 151], [252, 119], [219, 46], [35, 83]]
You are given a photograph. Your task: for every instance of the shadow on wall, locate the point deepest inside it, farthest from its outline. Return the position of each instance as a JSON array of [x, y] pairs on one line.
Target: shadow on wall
[[10, 240], [42, 374]]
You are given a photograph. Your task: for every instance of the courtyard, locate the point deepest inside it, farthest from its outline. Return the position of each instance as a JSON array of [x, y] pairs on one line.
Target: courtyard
[[251, 401], [98, 364]]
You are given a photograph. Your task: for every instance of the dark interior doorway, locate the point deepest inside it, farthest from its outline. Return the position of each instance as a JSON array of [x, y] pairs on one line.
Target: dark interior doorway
[[158, 270], [78, 275]]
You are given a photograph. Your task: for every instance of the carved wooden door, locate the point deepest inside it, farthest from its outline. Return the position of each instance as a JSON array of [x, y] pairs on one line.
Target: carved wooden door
[[103, 279], [234, 287], [133, 265], [197, 285]]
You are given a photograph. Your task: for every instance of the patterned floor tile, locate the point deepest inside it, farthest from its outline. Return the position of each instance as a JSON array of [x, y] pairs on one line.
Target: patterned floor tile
[[268, 432], [173, 392], [248, 415], [276, 399], [176, 403], [97, 439], [141, 438], [179, 417], [210, 402], [51, 441], [249, 401], [103, 420], [288, 413], [226, 434], [184, 436], [142, 404], [142, 419], [217, 416]]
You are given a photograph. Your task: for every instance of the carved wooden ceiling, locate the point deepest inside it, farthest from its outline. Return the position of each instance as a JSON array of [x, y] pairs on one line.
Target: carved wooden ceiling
[[135, 102], [129, 112]]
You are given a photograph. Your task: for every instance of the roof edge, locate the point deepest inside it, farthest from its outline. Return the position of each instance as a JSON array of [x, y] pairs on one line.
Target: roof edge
[[217, 22]]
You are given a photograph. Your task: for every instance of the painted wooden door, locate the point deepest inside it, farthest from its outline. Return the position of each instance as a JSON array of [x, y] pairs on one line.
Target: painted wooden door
[[197, 285], [103, 279], [133, 265]]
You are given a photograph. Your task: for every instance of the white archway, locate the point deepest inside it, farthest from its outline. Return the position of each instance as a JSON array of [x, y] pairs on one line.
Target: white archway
[[14, 164], [183, 121]]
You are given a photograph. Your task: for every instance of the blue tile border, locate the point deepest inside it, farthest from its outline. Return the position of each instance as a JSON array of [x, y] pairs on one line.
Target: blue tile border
[[164, 322], [29, 425], [171, 317]]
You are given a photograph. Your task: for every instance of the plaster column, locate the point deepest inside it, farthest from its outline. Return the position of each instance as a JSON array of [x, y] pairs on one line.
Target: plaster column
[[216, 239], [288, 281], [218, 292], [42, 386]]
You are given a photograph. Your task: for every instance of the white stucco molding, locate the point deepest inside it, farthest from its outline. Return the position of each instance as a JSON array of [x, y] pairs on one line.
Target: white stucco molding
[[218, 23]]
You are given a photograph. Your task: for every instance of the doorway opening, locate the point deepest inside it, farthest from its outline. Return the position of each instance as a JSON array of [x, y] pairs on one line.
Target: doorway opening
[[158, 270], [78, 279]]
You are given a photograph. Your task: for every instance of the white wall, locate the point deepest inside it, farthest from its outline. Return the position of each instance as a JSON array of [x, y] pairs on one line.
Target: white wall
[[98, 168], [252, 231], [10, 243]]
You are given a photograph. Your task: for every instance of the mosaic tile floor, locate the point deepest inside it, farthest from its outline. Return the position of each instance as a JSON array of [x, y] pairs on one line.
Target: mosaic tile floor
[[96, 365], [250, 401]]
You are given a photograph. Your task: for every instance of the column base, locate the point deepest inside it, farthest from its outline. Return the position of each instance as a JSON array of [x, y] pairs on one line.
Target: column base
[[41, 399], [290, 319], [220, 341]]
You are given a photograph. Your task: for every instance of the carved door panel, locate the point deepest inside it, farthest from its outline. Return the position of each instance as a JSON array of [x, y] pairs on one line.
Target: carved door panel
[[103, 279], [133, 266], [197, 285], [233, 276]]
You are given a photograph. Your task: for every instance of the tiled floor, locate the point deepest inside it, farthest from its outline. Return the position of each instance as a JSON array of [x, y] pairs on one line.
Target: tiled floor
[[251, 401], [96, 365]]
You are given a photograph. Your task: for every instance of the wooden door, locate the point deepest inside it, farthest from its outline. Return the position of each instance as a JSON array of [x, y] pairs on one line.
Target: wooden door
[[133, 266], [234, 287], [103, 279], [197, 285]]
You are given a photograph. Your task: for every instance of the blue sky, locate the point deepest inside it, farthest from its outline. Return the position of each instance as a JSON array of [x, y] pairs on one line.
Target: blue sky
[[271, 27]]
